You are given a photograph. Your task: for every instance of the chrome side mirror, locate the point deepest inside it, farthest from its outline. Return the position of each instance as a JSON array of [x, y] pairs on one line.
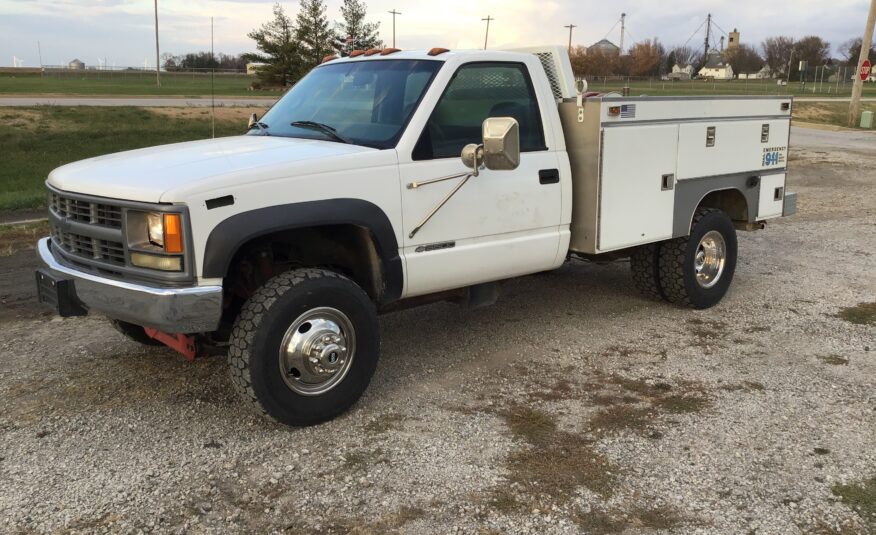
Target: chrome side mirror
[[253, 119], [500, 150], [501, 143]]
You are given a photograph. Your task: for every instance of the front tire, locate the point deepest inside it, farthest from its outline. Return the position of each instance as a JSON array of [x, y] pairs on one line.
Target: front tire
[[304, 346], [697, 270]]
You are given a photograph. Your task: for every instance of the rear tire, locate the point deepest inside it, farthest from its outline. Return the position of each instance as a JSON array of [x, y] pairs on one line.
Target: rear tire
[[697, 270], [645, 265], [304, 346], [134, 333]]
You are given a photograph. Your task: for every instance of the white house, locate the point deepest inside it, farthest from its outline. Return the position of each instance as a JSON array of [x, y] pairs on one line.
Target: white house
[[681, 73], [762, 74], [715, 67]]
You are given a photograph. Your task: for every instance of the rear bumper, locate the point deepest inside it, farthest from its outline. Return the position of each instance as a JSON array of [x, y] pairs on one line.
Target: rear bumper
[[191, 309]]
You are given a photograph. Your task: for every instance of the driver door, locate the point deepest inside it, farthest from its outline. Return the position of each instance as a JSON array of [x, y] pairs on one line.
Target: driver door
[[500, 224]]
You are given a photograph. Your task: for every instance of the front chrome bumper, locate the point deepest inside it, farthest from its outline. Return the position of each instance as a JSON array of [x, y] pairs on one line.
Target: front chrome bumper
[[191, 309]]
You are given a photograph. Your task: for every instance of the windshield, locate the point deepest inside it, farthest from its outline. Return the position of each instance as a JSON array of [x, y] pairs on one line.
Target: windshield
[[364, 103]]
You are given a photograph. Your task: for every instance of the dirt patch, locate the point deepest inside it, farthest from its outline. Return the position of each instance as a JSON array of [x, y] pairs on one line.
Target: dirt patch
[[18, 288], [15, 238], [834, 360], [222, 113]]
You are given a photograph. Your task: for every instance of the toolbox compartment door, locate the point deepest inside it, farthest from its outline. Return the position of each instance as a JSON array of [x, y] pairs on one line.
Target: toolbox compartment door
[[722, 147], [637, 185]]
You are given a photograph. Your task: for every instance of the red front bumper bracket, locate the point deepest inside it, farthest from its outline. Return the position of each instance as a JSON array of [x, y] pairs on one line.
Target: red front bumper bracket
[[181, 343]]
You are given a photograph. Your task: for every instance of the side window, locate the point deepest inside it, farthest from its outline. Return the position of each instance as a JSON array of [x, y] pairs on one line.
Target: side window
[[476, 92]]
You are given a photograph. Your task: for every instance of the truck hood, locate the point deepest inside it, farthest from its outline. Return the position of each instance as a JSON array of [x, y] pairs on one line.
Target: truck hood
[[147, 174]]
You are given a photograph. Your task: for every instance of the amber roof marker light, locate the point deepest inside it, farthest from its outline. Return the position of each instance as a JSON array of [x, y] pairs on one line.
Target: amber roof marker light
[[388, 51], [438, 51]]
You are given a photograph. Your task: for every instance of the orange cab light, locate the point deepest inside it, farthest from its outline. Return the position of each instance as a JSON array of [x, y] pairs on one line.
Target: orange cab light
[[436, 51], [173, 240], [328, 58], [372, 51], [614, 111], [356, 53], [388, 51]]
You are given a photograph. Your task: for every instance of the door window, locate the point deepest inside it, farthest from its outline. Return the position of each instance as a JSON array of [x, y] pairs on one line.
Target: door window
[[476, 92]]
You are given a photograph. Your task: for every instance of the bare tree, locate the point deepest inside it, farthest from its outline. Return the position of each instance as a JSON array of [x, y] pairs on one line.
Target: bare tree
[[851, 49], [684, 55], [777, 54], [646, 58], [744, 59]]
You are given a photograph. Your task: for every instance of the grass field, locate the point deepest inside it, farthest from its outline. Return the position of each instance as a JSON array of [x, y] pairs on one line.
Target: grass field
[[120, 83], [828, 113], [33, 141], [732, 87]]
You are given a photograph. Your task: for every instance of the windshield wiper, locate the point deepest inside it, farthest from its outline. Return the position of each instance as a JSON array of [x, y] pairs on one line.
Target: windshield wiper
[[324, 128], [263, 128]]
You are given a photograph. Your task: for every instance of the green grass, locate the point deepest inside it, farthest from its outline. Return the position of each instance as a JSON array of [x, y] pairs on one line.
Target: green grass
[[861, 497], [832, 113], [120, 83], [33, 141], [731, 87]]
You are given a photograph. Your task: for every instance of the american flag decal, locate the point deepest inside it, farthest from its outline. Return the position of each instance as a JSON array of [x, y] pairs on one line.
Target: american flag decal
[[628, 111]]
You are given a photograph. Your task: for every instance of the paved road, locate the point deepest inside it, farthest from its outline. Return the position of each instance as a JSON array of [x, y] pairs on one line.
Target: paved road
[[134, 101]]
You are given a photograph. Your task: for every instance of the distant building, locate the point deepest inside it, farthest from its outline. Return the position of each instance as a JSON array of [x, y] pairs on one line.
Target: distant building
[[715, 67], [76, 65], [733, 40], [762, 74], [254, 67], [604, 46], [681, 73]]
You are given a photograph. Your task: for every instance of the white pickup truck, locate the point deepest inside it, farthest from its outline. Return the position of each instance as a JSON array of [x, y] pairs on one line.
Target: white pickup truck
[[395, 178]]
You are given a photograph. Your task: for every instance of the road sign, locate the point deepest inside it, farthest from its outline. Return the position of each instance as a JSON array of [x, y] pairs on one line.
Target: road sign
[[865, 70]]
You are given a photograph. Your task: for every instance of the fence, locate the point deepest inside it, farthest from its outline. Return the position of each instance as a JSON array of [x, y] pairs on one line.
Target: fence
[[61, 71], [825, 84]]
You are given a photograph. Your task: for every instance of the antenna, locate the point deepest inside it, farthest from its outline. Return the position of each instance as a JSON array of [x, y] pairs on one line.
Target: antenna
[[157, 57], [212, 92]]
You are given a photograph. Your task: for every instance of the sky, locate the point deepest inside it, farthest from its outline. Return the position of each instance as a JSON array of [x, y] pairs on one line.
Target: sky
[[122, 31]]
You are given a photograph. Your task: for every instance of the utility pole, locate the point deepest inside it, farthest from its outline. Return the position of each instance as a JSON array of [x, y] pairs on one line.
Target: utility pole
[[858, 86], [570, 26], [708, 35], [623, 30], [487, 36], [394, 13], [157, 58], [40, 52]]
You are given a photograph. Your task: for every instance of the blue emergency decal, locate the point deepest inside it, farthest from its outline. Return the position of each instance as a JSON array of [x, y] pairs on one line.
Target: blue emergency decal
[[773, 156]]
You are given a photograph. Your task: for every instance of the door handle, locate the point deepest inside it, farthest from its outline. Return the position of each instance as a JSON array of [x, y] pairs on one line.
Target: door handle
[[549, 176]]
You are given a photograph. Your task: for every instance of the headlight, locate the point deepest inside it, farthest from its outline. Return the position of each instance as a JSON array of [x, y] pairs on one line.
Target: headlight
[[155, 240]]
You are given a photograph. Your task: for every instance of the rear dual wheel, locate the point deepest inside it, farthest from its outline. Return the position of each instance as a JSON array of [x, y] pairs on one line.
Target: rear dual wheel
[[694, 270]]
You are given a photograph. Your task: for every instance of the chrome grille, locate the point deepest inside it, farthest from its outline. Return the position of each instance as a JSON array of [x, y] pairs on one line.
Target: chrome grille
[[85, 211], [111, 252], [82, 228]]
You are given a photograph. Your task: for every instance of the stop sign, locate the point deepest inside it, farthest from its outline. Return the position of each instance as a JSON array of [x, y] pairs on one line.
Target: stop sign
[[865, 70]]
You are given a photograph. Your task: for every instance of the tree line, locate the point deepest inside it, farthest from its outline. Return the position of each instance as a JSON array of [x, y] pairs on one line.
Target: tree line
[[290, 48], [203, 60], [651, 58]]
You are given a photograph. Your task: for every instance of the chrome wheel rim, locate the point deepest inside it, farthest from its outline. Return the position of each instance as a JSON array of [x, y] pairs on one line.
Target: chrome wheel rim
[[710, 258], [317, 351]]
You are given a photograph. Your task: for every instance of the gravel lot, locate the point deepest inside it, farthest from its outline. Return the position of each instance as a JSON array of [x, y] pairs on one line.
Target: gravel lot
[[573, 405]]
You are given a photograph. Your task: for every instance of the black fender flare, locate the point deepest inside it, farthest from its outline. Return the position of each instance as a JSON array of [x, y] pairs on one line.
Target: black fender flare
[[231, 234]]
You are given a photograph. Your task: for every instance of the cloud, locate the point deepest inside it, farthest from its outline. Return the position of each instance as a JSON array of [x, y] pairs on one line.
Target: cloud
[[122, 30]]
